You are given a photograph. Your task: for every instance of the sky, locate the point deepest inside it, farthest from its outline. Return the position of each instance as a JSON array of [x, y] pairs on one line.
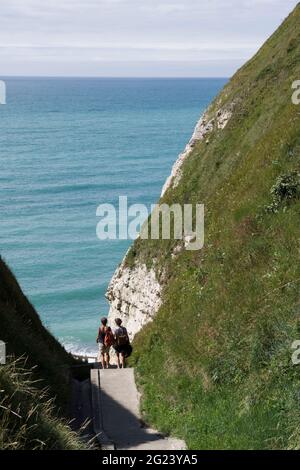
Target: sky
[[123, 38]]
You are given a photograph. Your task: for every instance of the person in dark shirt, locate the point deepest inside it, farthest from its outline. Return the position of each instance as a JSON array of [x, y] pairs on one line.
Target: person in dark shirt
[[121, 343]]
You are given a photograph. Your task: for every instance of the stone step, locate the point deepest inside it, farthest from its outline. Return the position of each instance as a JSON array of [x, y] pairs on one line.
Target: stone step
[[117, 413], [99, 431]]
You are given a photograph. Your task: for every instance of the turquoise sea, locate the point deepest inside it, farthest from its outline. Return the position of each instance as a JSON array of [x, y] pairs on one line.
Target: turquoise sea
[[66, 146]]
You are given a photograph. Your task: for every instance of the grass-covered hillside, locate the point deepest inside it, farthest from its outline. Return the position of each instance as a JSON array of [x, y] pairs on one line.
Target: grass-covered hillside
[[34, 385], [215, 365]]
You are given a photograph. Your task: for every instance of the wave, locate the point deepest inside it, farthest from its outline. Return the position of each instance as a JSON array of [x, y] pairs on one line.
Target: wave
[[79, 349]]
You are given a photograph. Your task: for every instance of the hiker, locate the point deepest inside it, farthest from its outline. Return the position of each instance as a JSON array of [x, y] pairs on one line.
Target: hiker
[[105, 339], [122, 344]]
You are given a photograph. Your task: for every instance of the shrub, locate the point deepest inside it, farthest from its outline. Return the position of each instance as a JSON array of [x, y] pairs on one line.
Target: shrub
[[285, 190]]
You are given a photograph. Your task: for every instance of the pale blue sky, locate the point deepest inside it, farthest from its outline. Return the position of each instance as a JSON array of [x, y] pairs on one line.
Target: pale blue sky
[[134, 37]]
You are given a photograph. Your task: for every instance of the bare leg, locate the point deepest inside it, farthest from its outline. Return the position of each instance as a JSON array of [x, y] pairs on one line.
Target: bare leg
[[103, 360], [107, 360], [123, 361], [118, 360]]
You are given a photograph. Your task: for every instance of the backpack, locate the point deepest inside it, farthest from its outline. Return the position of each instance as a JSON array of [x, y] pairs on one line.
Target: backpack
[[122, 339], [108, 338]]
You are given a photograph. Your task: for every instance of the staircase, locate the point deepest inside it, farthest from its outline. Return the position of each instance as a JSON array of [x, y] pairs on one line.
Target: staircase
[[116, 415]]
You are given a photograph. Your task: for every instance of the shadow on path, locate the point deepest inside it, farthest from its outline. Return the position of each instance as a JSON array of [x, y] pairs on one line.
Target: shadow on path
[[116, 414]]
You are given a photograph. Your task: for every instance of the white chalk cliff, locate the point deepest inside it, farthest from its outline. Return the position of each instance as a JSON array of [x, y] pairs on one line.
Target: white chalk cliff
[[134, 293]]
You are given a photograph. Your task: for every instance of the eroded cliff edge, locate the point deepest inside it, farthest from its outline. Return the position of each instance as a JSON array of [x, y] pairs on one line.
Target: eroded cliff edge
[[135, 292]]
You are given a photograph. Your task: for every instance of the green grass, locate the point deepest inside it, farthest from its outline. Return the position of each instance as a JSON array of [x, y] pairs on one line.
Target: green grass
[[35, 384], [28, 416], [215, 365]]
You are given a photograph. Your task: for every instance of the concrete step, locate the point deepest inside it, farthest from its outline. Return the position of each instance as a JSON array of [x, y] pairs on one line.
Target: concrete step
[[117, 413], [104, 441], [81, 410]]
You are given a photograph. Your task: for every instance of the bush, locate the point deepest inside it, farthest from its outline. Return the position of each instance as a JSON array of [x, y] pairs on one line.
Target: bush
[[285, 190]]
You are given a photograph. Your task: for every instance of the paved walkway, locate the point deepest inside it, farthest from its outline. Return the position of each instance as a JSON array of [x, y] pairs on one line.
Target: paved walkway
[[117, 420]]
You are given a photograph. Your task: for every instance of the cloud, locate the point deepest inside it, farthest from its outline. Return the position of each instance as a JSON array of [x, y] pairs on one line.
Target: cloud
[[164, 8], [77, 32]]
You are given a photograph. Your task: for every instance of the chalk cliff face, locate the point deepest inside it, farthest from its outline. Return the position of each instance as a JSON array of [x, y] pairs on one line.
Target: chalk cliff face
[[135, 292], [134, 295]]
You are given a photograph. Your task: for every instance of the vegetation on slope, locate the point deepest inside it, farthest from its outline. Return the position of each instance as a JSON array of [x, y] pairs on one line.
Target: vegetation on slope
[[215, 366], [37, 369]]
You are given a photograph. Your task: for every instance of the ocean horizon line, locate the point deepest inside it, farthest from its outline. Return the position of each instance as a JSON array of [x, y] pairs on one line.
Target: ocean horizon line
[[203, 77]]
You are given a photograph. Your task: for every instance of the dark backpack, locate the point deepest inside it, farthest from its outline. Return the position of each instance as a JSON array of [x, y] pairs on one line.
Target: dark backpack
[[122, 339]]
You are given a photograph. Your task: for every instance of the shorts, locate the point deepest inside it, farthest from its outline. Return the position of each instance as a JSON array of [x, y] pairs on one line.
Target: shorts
[[103, 349], [125, 350]]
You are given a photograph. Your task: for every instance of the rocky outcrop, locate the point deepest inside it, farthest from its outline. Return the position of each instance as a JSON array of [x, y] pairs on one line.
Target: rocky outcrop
[[134, 295], [203, 129]]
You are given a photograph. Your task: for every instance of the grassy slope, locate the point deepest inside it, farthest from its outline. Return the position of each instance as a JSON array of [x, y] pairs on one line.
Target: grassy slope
[[215, 365], [27, 418]]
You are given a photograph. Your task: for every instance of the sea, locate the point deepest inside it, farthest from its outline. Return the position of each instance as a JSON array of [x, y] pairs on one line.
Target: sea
[[68, 145]]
